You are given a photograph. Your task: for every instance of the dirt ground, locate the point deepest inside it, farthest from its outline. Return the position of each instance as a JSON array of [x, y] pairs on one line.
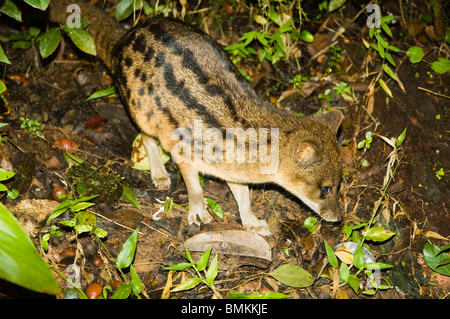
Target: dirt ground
[[415, 206]]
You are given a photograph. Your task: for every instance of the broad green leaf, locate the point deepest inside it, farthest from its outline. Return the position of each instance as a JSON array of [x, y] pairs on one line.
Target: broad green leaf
[[126, 255], [213, 269], [378, 234], [373, 266], [124, 9], [433, 257], [38, 4], [310, 223], [135, 281], [335, 4], [215, 207], [49, 41], [415, 54], [20, 262], [331, 255], [441, 66], [123, 291], [203, 261], [188, 284], [11, 10], [82, 39], [401, 138], [444, 248], [344, 272], [5, 175], [293, 276], [358, 258], [353, 282]]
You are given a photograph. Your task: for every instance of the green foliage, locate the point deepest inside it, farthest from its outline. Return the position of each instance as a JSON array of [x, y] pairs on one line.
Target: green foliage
[[207, 277], [31, 126], [415, 54], [4, 176], [437, 259], [367, 141], [441, 66], [292, 276], [20, 262], [310, 223]]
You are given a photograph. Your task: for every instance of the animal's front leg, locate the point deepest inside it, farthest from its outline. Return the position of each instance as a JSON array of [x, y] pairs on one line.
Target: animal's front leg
[[249, 221], [195, 193]]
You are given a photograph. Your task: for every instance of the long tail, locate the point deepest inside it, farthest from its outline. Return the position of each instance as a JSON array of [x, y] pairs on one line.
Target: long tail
[[105, 31]]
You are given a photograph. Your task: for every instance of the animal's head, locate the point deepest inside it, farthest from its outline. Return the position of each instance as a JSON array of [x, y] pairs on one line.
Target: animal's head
[[311, 166]]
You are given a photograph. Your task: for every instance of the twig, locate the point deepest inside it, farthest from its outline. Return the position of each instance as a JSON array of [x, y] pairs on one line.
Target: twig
[[434, 93]]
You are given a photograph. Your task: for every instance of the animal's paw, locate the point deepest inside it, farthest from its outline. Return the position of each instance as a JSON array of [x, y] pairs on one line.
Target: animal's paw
[[161, 182], [258, 226], [205, 217]]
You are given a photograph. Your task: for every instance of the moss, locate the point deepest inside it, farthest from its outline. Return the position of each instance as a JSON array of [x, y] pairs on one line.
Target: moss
[[95, 182]]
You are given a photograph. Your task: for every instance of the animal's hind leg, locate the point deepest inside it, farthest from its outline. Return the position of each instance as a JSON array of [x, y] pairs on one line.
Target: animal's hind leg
[[160, 176]]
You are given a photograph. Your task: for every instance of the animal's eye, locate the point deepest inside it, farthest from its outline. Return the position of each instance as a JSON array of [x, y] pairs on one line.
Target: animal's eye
[[326, 191]]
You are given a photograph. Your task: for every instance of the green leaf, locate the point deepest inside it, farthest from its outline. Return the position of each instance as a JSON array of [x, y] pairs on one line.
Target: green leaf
[[381, 40], [353, 282], [293, 276], [385, 87], [82, 39], [344, 272], [310, 223], [3, 57], [306, 36], [441, 66], [213, 269], [5, 175], [268, 295], [123, 291], [20, 262], [203, 261], [81, 206], [130, 196], [49, 41], [38, 4], [389, 71], [378, 234], [335, 4], [124, 9], [386, 29], [415, 54], [331, 255], [358, 258], [215, 207], [126, 255], [401, 138], [179, 267], [433, 258], [11, 10], [389, 57], [188, 284], [135, 281]]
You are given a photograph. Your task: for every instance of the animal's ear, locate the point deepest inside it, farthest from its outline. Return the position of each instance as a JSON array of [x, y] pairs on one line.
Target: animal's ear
[[332, 119], [304, 152]]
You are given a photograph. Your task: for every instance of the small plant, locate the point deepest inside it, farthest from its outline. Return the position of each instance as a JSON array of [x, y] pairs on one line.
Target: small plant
[[367, 141], [299, 80], [437, 258], [4, 176], [440, 173], [335, 60], [46, 237], [326, 95], [31, 125], [207, 277]]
